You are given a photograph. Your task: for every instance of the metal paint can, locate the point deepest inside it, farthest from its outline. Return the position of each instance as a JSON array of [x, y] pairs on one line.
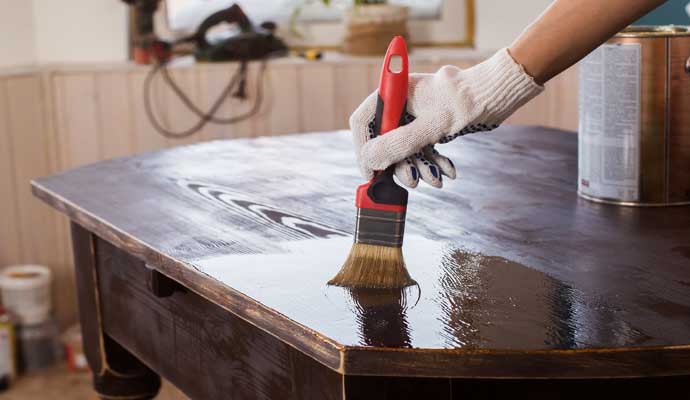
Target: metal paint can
[[7, 350], [634, 125]]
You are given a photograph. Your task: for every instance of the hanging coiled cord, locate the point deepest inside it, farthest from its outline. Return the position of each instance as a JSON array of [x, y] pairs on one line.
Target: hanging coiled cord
[[210, 116]]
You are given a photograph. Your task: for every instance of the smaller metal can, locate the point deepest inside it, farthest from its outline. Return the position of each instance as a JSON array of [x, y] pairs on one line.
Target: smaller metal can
[[7, 349], [634, 125]]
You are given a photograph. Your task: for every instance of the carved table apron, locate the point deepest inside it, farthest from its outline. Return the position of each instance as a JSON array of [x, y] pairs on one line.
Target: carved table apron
[[206, 265]]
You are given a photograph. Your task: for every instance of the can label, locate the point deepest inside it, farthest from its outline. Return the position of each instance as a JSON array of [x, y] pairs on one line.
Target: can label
[[6, 350], [609, 123]]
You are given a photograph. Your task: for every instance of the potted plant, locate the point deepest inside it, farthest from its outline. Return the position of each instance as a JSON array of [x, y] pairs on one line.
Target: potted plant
[[371, 24]]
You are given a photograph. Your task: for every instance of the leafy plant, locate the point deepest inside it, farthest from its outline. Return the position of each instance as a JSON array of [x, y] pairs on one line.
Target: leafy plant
[[297, 11], [359, 2]]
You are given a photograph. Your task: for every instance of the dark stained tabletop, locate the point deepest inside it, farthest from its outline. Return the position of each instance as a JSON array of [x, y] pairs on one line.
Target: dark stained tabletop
[[514, 270]]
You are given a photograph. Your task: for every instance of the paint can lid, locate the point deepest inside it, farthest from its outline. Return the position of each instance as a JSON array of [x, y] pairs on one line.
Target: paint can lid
[[636, 31]]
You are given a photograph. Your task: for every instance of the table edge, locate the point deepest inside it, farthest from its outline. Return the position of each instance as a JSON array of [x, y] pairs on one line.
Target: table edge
[[358, 360], [300, 337]]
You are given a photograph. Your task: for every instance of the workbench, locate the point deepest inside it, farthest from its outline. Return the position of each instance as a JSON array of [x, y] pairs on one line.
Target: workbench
[[207, 265]]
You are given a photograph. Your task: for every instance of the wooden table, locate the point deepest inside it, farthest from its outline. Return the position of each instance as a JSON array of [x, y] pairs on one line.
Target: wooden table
[[207, 265]]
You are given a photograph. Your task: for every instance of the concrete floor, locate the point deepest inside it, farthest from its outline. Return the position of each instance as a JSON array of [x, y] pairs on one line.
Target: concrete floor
[[59, 383]]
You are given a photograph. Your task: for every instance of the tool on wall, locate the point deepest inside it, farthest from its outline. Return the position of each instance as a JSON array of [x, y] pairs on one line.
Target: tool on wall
[[376, 259], [250, 44], [143, 36], [247, 43]]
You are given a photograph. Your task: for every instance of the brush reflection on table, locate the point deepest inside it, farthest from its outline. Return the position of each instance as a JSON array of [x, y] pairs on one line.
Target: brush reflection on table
[[464, 299], [243, 235], [381, 316]]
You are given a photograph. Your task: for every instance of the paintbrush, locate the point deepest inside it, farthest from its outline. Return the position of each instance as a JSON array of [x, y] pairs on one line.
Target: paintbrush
[[376, 258]]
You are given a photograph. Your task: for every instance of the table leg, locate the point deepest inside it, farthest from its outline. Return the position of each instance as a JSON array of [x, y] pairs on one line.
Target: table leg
[[117, 373]]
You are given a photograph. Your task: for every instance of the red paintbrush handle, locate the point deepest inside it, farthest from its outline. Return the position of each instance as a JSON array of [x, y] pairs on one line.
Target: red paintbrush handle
[[392, 88], [382, 193]]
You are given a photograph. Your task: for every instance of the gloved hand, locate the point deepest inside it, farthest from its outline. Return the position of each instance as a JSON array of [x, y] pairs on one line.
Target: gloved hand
[[447, 104]]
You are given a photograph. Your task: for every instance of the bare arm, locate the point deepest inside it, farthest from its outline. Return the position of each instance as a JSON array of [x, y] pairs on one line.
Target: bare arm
[[569, 29]]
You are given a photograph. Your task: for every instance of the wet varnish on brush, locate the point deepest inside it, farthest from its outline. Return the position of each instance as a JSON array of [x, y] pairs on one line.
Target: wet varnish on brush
[[376, 259], [512, 267]]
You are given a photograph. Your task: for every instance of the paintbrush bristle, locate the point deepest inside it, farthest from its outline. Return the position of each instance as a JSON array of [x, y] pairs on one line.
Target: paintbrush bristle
[[375, 267]]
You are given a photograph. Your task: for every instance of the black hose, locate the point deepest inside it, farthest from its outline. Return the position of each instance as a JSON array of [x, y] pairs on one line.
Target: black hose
[[204, 117]]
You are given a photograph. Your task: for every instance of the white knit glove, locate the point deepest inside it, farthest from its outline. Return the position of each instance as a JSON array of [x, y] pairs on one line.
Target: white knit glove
[[449, 103]]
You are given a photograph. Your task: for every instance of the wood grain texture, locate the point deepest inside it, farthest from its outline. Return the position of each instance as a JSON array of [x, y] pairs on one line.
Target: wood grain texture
[[519, 278], [145, 136], [77, 107], [679, 136], [10, 240], [115, 122], [281, 113], [351, 86], [116, 373], [212, 81], [67, 116], [206, 351], [174, 112], [30, 149], [83, 246], [317, 99]]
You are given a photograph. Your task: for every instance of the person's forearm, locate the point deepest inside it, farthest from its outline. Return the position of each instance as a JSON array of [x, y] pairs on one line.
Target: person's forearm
[[569, 29]]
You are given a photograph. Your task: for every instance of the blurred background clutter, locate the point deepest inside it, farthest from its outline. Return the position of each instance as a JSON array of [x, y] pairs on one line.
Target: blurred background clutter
[[87, 80]]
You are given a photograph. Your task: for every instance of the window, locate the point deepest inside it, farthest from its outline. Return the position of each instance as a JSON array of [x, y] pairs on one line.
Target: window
[[182, 14], [433, 21]]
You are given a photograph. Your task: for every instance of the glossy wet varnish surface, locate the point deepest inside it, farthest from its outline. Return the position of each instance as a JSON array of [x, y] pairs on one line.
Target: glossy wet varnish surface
[[507, 256], [464, 299]]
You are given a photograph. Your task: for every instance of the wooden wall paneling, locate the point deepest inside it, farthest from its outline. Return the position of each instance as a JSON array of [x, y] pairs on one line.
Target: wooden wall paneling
[[374, 74], [10, 243], [79, 128], [351, 88], [280, 112], [30, 147], [30, 152], [146, 138], [259, 120], [418, 66], [213, 78], [234, 106], [59, 118], [64, 294], [114, 114], [317, 96], [178, 116], [211, 84], [565, 108]]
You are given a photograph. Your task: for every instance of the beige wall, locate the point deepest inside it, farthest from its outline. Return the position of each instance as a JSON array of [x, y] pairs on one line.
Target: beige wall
[[498, 22], [55, 118], [50, 31], [16, 33], [80, 30]]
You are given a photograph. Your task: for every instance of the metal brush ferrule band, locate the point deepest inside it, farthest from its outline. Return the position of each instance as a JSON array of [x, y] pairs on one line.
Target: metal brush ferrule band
[[381, 228]]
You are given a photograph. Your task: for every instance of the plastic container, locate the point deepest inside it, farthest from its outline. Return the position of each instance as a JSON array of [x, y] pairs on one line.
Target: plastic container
[[26, 293], [74, 349], [38, 346]]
